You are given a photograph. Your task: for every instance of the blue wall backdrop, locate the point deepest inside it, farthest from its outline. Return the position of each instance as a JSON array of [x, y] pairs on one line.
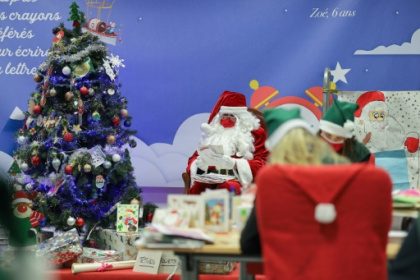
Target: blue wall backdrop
[[179, 56]]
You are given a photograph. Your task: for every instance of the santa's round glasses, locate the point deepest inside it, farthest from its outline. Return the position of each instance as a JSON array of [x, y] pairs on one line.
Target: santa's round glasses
[[228, 116]]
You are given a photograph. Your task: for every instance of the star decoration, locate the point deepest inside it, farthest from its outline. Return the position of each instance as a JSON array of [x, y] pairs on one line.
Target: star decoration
[[339, 73], [115, 61], [76, 128]]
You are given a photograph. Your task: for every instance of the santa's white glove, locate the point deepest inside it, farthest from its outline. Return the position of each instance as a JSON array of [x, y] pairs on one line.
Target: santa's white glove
[[224, 161], [201, 163]]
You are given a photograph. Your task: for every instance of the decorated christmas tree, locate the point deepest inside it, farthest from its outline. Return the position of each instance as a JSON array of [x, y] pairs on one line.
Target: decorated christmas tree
[[72, 148]]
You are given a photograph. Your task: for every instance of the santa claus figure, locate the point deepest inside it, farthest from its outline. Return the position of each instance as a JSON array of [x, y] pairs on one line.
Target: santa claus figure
[[379, 130], [26, 221], [239, 133]]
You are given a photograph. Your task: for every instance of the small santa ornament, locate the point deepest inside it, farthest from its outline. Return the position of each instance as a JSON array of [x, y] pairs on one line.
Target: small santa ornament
[[26, 221]]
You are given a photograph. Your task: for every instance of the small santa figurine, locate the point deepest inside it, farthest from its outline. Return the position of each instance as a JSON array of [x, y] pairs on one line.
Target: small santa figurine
[[242, 138], [26, 221]]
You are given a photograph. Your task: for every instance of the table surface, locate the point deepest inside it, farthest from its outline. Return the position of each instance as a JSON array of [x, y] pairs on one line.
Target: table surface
[[228, 244]]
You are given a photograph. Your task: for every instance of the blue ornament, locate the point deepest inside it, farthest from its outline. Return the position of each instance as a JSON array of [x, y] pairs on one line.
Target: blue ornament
[[127, 123], [133, 144]]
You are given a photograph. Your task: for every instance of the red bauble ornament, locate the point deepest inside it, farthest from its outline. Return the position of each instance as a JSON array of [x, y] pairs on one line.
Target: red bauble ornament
[[37, 109], [84, 90], [68, 169], [116, 120], [68, 136], [35, 160], [80, 222]]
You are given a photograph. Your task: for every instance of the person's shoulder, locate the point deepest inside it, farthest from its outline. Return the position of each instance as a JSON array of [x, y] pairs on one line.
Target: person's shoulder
[[360, 146]]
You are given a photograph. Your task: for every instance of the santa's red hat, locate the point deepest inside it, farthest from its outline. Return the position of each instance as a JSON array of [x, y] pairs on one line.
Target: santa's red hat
[[229, 102], [20, 197], [366, 98]]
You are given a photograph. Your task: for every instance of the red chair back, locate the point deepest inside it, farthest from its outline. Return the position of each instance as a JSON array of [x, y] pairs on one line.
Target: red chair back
[[296, 246]]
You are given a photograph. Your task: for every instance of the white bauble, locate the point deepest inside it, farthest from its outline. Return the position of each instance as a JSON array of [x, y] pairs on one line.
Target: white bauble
[[111, 91], [24, 166], [107, 164], [116, 158], [53, 92], [56, 163], [71, 221], [66, 70], [21, 140]]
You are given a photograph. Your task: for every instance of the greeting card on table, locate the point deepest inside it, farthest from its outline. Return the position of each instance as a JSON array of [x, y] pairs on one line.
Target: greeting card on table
[[215, 207], [127, 218], [190, 203]]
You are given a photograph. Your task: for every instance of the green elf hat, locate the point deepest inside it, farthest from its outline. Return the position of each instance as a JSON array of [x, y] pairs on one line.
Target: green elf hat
[[279, 121], [339, 119]]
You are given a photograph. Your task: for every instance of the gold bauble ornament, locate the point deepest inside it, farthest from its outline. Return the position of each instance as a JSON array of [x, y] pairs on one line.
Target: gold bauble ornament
[[69, 96], [111, 139], [87, 168]]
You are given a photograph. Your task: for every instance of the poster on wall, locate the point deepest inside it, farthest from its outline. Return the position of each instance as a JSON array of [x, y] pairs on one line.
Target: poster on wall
[[387, 123]]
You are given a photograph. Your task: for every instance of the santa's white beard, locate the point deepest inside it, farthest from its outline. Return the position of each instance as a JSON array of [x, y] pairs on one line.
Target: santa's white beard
[[385, 136], [235, 140]]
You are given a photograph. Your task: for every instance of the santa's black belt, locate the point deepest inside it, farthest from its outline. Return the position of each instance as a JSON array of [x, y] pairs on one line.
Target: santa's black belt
[[222, 171]]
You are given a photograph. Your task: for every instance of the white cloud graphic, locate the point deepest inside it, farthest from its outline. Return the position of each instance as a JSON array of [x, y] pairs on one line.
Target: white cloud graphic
[[406, 48], [160, 164]]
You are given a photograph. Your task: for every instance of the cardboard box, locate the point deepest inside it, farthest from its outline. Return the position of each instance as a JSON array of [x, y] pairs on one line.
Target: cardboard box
[[120, 242]]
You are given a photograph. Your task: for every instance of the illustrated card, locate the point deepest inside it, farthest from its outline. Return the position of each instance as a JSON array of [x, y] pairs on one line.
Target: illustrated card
[[127, 218]]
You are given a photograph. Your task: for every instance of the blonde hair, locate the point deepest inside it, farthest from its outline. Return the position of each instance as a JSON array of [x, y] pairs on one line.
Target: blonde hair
[[300, 147]]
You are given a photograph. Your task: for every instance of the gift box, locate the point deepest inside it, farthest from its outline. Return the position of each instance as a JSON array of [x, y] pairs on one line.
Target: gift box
[[91, 255], [60, 248], [119, 241]]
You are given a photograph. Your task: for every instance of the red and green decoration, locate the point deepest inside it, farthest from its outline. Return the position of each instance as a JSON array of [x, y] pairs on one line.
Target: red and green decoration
[[14, 169], [76, 16]]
